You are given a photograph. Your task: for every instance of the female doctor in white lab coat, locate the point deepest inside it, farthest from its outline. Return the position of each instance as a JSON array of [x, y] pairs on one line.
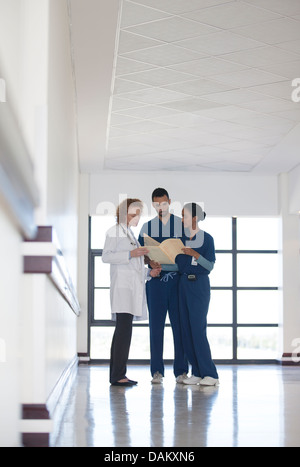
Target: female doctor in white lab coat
[[127, 288]]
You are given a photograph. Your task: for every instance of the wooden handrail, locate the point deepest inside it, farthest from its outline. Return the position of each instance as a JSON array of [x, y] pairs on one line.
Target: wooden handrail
[[43, 255], [17, 183]]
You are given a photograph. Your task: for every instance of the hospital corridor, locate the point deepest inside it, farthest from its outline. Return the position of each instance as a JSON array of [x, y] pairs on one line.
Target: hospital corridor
[[149, 223]]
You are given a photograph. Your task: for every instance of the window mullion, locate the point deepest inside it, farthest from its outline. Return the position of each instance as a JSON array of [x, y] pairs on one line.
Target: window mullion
[[234, 289]]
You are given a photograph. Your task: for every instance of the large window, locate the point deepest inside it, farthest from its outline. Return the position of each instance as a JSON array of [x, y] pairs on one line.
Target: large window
[[244, 309]]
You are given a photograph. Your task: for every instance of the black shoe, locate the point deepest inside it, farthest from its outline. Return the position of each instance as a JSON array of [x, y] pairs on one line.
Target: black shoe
[[134, 383], [125, 383]]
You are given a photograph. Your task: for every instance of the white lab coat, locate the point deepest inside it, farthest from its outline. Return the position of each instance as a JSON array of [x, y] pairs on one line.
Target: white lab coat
[[127, 276]]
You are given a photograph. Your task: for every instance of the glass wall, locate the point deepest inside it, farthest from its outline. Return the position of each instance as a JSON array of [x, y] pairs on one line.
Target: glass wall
[[244, 309]]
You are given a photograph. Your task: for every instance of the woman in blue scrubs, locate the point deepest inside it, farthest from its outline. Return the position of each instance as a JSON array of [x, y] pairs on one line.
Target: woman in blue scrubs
[[195, 264]]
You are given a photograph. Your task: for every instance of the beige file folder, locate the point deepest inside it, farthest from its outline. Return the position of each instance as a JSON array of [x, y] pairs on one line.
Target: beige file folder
[[164, 252]]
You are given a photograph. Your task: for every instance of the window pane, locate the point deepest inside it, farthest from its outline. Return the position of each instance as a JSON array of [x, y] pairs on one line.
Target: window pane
[[258, 306], [102, 304], [258, 234], [257, 343], [220, 341], [221, 276], [99, 227], [220, 308], [140, 344], [220, 228], [101, 338], [102, 273], [257, 270]]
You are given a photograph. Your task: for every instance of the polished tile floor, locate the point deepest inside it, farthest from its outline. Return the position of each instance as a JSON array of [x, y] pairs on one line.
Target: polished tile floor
[[253, 406]]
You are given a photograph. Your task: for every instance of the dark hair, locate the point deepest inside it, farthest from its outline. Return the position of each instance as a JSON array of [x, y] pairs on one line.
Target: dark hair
[[195, 210], [123, 207], [159, 193]]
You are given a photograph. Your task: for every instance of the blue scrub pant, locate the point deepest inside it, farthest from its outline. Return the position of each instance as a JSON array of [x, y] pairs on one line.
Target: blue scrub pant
[[162, 296], [194, 298]]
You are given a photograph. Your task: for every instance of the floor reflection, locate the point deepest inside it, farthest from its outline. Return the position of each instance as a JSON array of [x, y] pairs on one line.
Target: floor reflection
[[253, 406]]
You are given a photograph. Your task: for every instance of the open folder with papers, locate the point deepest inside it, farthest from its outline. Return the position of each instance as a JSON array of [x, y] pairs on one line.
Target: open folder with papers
[[164, 252]]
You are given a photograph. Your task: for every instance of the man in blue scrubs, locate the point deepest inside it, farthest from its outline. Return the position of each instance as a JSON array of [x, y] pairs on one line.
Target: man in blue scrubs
[[162, 291]]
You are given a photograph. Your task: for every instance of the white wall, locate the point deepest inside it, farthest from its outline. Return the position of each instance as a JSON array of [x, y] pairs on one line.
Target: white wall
[[49, 314], [83, 245], [13, 50], [37, 326], [225, 194], [63, 167], [294, 190], [10, 332], [290, 264]]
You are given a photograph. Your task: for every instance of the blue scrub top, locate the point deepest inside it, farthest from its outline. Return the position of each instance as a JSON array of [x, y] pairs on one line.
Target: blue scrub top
[[207, 250], [160, 232]]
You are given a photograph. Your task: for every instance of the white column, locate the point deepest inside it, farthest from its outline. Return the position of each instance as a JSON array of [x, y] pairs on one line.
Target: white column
[[290, 274]]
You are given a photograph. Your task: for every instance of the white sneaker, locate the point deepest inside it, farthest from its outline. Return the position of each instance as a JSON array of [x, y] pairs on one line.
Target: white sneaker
[[180, 378], [192, 380], [157, 378], [209, 381]]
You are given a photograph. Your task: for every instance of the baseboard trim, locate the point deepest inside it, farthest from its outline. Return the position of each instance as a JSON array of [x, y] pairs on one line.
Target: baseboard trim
[[290, 359], [40, 422], [35, 425]]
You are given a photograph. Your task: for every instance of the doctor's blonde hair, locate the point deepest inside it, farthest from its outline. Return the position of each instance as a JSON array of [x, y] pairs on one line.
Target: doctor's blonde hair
[[123, 207]]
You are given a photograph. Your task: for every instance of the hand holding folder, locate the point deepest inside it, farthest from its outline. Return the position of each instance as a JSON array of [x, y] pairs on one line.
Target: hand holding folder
[[164, 252]]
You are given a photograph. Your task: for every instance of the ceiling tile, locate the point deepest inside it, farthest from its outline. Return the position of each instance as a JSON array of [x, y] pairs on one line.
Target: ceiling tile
[[220, 43], [191, 105], [176, 7], [269, 105], [282, 90], [251, 77], [272, 32], [117, 119], [262, 56], [154, 95], [145, 126], [291, 46], [230, 166], [126, 66], [229, 113], [242, 146], [231, 15], [288, 70], [159, 77], [133, 14], [235, 97], [119, 103], [284, 7], [164, 55], [183, 119], [293, 114], [171, 29], [199, 87], [160, 119], [123, 85], [128, 150], [116, 132], [209, 67], [149, 112], [208, 151], [194, 136], [129, 42], [257, 120], [131, 164]]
